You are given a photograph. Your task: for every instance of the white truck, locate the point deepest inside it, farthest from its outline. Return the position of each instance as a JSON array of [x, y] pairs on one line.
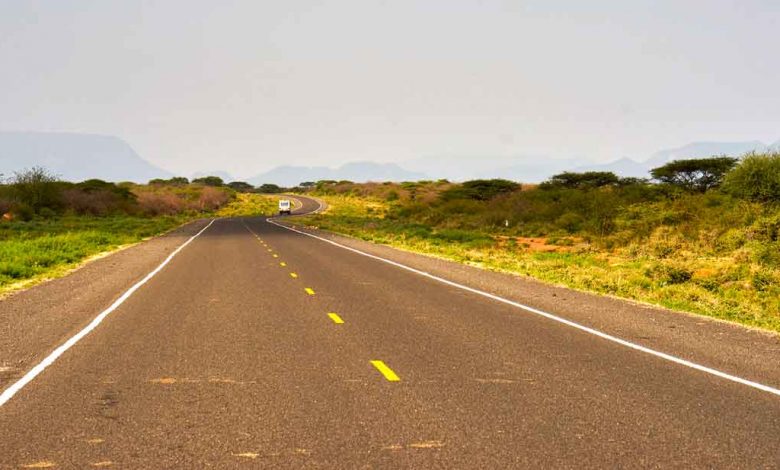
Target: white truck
[[285, 207]]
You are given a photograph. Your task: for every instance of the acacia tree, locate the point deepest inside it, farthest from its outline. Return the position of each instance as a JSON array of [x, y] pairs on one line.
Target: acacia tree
[[241, 186], [695, 174], [586, 180], [480, 190], [209, 181]]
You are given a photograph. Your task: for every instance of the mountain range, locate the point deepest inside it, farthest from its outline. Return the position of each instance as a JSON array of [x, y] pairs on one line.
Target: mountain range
[[629, 167], [356, 171], [77, 157]]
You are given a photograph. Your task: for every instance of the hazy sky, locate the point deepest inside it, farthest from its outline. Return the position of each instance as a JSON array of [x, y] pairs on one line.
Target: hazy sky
[[246, 85]]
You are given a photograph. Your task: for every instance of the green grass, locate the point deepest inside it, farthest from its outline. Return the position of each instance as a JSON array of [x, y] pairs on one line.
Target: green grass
[[47, 248], [732, 287]]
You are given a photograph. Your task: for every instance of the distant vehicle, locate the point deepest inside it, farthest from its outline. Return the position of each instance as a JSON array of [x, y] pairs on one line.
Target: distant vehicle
[[285, 207]]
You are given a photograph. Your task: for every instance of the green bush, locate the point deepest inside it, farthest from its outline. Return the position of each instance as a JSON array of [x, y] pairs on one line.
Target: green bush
[[669, 274], [757, 178], [36, 188]]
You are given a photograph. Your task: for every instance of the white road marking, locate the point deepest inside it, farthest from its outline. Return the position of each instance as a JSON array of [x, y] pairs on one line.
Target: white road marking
[[600, 334], [49, 360]]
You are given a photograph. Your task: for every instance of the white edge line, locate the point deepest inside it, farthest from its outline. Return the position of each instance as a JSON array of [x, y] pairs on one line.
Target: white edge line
[[49, 360], [600, 334]]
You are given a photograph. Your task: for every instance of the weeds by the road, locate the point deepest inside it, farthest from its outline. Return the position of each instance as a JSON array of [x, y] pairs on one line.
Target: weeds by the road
[[43, 248], [687, 268]]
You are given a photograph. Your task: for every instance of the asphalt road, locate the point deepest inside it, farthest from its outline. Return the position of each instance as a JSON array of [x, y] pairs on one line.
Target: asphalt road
[[257, 346]]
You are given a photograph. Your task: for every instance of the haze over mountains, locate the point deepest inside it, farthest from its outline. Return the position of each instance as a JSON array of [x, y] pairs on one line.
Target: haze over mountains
[[77, 157]]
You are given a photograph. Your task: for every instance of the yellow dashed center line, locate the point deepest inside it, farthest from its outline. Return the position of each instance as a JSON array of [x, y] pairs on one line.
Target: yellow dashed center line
[[294, 275], [282, 264], [275, 255], [309, 290], [41, 464], [336, 318], [386, 371], [103, 463]]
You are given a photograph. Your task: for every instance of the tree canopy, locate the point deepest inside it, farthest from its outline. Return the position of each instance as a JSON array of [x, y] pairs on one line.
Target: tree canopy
[[480, 190], [241, 186], [696, 174], [585, 180], [209, 181], [270, 188]]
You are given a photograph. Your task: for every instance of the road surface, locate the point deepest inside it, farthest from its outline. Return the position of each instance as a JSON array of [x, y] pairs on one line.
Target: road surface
[[259, 347]]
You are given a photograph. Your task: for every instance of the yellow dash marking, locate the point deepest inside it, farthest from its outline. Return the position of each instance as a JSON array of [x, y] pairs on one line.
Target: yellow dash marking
[[309, 290], [294, 275], [41, 464], [386, 371], [270, 250], [336, 318], [427, 445], [95, 440], [164, 380], [248, 455], [282, 264], [104, 463], [276, 256]]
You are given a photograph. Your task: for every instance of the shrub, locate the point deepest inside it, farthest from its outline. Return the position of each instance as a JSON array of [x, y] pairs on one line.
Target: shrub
[[570, 222], [756, 178], [152, 203], [212, 199], [670, 274], [36, 188], [99, 202]]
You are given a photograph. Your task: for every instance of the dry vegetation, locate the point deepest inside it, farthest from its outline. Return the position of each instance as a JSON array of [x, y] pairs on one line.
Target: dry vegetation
[[49, 226], [712, 250]]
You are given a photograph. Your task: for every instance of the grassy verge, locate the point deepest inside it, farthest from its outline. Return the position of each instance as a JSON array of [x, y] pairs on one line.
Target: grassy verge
[[48, 248], [730, 287]]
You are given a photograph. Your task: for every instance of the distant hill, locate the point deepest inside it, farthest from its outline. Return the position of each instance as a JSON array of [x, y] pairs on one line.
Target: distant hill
[[524, 168], [705, 149], [621, 167], [75, 157], [358, 172], [629, 167]]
